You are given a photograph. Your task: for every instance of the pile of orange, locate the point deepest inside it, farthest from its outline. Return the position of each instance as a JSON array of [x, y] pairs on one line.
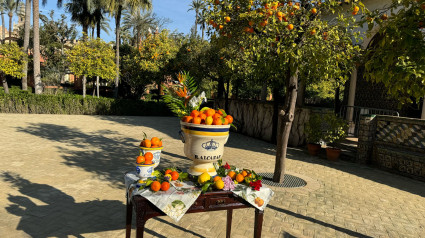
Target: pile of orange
[[209, 117], [238, 177], [155, 142], [146, 159], [156, 186]]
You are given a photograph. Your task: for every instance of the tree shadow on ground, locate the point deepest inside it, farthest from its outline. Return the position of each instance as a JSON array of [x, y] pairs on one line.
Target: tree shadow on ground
[[101, 152], [171, 127], [313, 220]]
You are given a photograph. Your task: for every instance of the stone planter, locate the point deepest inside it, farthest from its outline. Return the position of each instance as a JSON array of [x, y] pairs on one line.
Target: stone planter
[[156, 152], [144, 171]]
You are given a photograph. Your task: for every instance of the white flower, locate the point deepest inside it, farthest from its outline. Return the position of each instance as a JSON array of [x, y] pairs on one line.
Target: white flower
[[194, 102]]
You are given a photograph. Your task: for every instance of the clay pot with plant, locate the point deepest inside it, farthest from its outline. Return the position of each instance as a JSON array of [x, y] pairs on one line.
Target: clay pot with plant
[[313, 130], [336, 131]]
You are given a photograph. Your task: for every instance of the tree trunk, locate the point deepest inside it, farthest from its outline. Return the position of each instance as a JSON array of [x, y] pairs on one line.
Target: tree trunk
[[94, 88], [92, 32], [220, 89], [203, 32], [98, 29], [263, 96], [337, 102], [226, 99], [423, 108], [287, 116], [84, 86], [36, 60], [196, 22], [4, 81], [85, 31], [300, 95], [275, 117], [10, 27], [3, 32], [26, 43], [97, 86], [117, 50]]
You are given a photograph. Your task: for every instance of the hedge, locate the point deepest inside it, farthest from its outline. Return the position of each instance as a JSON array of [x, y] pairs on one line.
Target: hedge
[[26, 102]]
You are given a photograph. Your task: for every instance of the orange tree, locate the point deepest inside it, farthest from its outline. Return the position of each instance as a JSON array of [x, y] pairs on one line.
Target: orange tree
[[147, 64], [286, 39], [396, 54]]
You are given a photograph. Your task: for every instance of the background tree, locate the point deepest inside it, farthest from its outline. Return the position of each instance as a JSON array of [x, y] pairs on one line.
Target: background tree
[[2, 12], [396, 55], [91, 58], [196, 6], [115, 9], [10, 6], [27, 26], [36, 50], [287, 39], [11, 62], [138, 23], [54, 34]]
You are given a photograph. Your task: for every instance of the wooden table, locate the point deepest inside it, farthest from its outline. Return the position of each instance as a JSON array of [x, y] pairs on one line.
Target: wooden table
[[212, 201]]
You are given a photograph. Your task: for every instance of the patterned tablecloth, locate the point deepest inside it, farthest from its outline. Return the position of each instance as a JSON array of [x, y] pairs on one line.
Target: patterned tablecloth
[[176, 201]]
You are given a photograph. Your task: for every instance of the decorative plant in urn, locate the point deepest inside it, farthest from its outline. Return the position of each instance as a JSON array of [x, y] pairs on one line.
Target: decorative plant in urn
[[205, 131]]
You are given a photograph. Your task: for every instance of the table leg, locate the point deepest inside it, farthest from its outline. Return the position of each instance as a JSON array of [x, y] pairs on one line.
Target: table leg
[[129, 216], [229, 223], [140, 227], [258, 226]]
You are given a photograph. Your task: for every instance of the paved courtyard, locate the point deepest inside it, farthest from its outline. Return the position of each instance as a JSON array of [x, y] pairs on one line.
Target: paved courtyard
[[62, 176]]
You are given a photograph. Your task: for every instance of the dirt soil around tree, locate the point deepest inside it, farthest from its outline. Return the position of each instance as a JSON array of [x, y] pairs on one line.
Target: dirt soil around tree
[[62, 176]]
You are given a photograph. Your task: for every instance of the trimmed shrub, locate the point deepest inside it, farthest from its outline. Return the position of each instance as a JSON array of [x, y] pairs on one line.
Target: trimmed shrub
[[19, 101]]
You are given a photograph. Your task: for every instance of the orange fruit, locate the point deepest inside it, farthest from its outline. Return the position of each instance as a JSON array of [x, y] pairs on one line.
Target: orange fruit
[[160, 143], [250, 23], [227, 19], [239, 178], [210, 112], [217, 178], [189, 119], [356, 9], [140, 159], [244, 173], [290, 27], [263, 23], [196, 120], [314, 11], [313, 32], [155, 141], [230, 119], [168, 171], [279, 14], [217, 122], [220, 27], [215, 116], [232, 174], [155, 186], [194, 113], [165, 186], [148, 156], [226, 121], [146, 143], [202, 116], [174, 175], [148, 161]]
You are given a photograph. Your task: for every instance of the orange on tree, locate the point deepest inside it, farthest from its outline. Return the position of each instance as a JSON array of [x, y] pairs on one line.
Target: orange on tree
[[155, 186], [290, 27], [140, 159], [250, 23], [263, 23], [165, 186], [313, 32], [174, 175], [227, 19], [220, 27], [313, 10]]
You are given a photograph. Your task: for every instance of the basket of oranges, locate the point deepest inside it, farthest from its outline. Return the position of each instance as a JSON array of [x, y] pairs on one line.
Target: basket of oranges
[[153, 146], [145, 165]]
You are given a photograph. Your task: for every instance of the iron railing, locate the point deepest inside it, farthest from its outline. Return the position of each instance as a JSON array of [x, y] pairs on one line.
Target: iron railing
[[352, 114]]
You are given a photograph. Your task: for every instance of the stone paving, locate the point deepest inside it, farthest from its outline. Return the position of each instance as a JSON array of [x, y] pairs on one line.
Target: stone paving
[[62, 176]]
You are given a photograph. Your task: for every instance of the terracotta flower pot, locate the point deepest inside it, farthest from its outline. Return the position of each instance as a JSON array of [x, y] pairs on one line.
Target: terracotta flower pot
[[333, 153], [313, 149]]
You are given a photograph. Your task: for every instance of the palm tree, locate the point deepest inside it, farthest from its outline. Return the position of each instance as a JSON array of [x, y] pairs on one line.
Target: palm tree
[[196, 5], [203, 24], [10, 6], [116, 8], [2, 12], [26, 42], [138, 23], [36, 53]]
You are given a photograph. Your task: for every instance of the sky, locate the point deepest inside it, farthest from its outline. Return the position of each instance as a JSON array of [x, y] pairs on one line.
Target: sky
[[175, 10]]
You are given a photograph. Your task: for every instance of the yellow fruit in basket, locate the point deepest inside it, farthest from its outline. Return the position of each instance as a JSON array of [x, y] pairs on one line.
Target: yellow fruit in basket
[[204, 177], [209, 120], [219, 184]]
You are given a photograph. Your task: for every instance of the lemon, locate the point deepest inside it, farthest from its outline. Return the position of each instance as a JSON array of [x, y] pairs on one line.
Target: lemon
[[204, 177], [219, 184]]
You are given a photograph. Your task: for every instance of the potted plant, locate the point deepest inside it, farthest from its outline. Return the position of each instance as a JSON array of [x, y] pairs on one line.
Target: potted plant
[[313, 130], [335, 130]]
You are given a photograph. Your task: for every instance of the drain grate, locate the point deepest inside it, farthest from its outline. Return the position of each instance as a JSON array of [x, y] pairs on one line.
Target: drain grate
[[289, 181]]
